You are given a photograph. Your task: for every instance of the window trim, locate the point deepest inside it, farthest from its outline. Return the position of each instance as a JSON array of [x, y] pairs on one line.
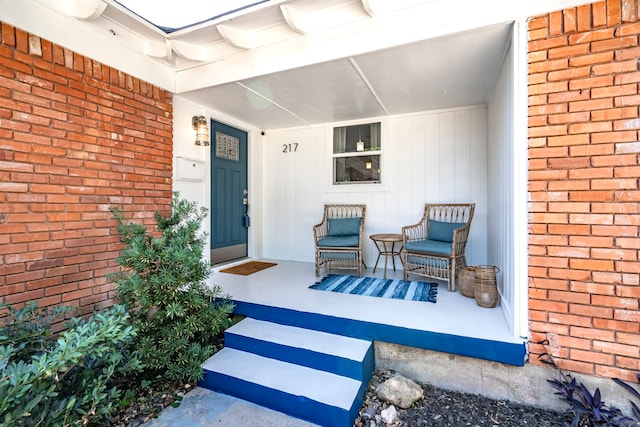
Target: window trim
[[354, 154]]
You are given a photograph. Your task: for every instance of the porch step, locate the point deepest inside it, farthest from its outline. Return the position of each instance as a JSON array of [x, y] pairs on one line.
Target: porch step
[[350, 357], [315, 376]]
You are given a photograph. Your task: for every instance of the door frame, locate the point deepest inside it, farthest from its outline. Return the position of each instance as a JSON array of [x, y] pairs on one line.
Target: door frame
[[235, 254]]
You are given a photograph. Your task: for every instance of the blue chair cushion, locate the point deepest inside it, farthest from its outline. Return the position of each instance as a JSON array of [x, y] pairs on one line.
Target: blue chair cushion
[[429, 247], [344, 226], [442, 231], [339, 241]]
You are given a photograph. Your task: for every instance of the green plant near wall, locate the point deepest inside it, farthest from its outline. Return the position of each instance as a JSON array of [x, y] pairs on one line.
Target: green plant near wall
[[587, 408], [67, 381], [162, 284]]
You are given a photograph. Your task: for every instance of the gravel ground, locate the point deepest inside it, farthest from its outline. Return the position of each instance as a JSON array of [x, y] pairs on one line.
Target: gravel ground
[[451, 409]]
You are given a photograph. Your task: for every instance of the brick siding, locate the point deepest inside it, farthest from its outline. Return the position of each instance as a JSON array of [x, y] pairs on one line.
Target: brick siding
[[584, 168], [76, 137]]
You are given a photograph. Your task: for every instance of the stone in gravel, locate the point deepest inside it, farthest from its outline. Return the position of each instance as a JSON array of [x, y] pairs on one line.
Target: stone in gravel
[[400, 391], [369, 413], [389, 415]]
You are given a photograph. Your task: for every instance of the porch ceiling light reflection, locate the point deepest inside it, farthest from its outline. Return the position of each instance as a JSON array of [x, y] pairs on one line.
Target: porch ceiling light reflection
[[199, 124], [259, 94]]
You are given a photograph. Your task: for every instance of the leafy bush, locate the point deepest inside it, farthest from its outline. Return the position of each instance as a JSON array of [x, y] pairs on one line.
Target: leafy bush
[[590, 408], [67, 381], [162, 284], [29, 329], [633, 420], [582, 404]]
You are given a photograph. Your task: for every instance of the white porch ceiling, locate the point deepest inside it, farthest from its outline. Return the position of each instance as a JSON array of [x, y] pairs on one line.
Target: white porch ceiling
[[289, 63], [442, 73]]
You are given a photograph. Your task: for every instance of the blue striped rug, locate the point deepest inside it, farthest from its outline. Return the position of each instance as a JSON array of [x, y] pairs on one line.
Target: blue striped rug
[[375, 287]]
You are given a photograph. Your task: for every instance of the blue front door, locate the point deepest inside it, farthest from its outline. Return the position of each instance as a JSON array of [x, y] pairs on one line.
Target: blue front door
[[229, 193]]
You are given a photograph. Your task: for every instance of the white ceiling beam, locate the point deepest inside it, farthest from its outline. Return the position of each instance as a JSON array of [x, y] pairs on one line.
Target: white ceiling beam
[[427, 20], [375, 7], [86, 9], [156, 48], [296, 20], [238, 38], [307, 21], [79, 9], [191, 51], [381, 7], [169, 50], [78, 36], [256, 8]]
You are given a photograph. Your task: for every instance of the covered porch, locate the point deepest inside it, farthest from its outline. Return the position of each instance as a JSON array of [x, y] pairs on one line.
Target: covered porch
[[455, 324]]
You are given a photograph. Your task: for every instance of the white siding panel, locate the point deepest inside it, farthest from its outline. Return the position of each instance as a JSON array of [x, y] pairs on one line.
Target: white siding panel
[[503, 222], [445, 190], [477, 184], [429, 157], [429, 175], [291, 185], [462, 167]]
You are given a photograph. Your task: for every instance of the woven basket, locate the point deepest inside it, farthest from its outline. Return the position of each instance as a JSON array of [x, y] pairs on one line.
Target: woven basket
[[467, 281], [486, 288]]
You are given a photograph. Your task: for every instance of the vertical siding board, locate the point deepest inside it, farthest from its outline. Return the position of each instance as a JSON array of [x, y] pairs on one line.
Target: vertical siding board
[[464, 164], [421, 158], [500, 172], [389, 201], [445, 192], [431, 162]]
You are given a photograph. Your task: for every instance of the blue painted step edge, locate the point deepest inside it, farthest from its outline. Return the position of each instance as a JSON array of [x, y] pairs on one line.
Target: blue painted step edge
[[296, 406], [358, 370], [497, 351]]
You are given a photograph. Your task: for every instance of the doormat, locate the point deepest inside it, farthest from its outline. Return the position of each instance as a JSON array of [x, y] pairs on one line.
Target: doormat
[[248, 268], [376, 287]]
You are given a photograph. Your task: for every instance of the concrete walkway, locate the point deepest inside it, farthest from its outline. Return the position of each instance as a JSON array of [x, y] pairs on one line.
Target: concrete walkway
[[201, 407]]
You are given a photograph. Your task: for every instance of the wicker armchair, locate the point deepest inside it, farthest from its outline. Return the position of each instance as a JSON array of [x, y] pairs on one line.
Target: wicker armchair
[[435, 246], [339, 238]]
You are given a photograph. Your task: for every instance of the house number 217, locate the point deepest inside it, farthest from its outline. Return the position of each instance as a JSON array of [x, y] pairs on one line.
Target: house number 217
[[290, 148]]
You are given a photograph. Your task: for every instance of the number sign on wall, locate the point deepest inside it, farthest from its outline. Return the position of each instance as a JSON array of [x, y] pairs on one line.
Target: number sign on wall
[[290, 148]]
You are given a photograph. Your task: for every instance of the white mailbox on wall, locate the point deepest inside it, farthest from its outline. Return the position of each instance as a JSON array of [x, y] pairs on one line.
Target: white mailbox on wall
[[189, 169]]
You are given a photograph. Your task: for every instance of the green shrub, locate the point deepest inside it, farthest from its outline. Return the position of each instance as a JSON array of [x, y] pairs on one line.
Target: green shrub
[[162, 284], [28, 330], [67, 381]]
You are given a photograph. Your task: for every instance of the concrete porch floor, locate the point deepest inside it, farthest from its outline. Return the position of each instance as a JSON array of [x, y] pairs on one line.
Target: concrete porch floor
[[455, 324]]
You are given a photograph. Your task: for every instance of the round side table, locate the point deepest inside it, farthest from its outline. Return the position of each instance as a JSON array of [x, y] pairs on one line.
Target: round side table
[[386, 244]]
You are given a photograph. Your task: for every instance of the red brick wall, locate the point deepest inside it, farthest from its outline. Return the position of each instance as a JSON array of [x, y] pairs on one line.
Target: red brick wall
[[76, 137], [583, 179]]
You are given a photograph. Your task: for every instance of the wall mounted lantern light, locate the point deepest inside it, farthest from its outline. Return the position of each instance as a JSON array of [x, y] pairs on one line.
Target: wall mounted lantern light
[[199, 124]]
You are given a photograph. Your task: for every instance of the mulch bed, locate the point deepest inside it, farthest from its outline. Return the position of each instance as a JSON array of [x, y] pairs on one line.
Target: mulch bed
[[148, 404], [444, 408]]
